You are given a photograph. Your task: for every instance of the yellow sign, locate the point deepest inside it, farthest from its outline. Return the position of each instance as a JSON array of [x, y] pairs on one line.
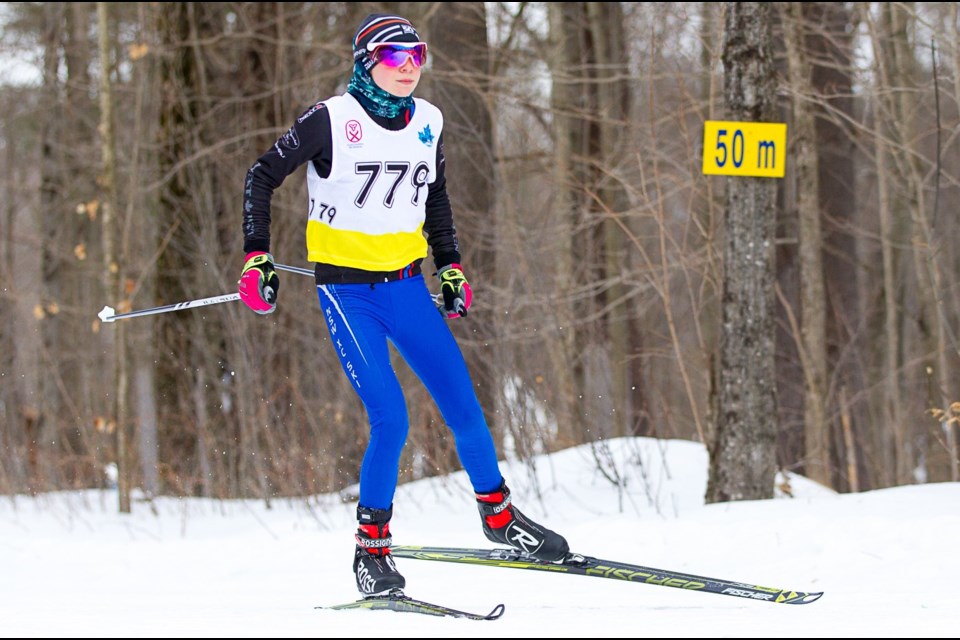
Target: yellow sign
[[744, 148]]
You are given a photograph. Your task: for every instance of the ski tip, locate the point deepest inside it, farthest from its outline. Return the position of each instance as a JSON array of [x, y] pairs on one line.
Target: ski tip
[[106, 314], [496, 613], [799, 597]]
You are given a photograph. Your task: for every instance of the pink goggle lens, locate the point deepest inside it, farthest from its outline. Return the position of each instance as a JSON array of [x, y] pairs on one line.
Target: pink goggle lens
[[395, 56]]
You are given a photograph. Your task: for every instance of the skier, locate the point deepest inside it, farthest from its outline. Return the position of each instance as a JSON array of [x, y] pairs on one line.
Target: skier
[[377, 197]]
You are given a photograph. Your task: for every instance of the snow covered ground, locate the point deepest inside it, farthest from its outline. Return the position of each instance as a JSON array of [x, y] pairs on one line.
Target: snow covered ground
[[888, 561]]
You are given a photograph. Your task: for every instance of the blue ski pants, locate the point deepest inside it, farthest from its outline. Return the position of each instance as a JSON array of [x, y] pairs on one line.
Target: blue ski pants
[[362, 319]]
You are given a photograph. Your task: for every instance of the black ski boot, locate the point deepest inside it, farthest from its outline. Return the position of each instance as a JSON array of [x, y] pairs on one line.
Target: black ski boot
[[505, 524], [372, 563]]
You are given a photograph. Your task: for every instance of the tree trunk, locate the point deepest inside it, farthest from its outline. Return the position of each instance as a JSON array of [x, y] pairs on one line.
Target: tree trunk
[[817, 465], [897, 442], [137, 246], [53, 258], [587, 113], [112, 260], [606, 22], [899, 67], [743, 454], [12, 407], [830, 30], [185, 206], [566, 353], [460, 84]]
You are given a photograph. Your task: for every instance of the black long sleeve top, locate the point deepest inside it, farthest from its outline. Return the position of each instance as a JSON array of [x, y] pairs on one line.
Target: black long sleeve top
[[310, 140]]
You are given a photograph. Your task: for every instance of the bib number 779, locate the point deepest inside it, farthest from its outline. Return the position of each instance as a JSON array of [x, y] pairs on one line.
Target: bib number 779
[[397, 172]]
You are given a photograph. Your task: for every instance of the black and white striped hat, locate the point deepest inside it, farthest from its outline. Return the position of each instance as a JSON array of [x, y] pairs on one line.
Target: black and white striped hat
[[382, 28]]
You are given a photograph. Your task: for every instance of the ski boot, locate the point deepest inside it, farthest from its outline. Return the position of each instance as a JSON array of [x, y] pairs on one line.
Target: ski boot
[[505, 524], [373, 565]]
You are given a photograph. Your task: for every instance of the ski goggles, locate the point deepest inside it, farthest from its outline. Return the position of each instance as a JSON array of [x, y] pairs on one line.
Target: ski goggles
[[395, 55]]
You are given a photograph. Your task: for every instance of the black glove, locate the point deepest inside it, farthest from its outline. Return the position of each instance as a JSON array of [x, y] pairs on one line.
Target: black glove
[[455, 291], [259, 283]]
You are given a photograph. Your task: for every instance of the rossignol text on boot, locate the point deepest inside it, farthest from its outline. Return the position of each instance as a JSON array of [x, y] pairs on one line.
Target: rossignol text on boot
[[373, 566]]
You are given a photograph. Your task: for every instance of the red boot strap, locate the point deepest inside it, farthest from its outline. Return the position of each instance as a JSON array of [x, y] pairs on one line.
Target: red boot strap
[[495, 509], [499, 520], [374, 530], [496, 496]]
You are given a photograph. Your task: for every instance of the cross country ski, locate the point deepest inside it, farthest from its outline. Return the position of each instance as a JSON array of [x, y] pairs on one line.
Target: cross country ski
[[576, 564], [396, 600]]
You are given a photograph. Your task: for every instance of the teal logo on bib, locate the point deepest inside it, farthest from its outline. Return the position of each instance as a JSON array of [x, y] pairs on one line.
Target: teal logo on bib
[[426, 136]]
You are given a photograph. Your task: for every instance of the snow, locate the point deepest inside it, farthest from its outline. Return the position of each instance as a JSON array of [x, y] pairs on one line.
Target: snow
[[887, 560]]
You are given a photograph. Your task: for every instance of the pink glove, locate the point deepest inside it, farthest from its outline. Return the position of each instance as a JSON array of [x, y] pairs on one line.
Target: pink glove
[[259, 283], [456, 292]]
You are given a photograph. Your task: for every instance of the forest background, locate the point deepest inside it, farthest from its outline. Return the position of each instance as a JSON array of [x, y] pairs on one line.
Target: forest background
[[805, 324]]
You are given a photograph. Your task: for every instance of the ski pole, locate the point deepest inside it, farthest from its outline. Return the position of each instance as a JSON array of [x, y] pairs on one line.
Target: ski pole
[[109, 314], [300, 270]]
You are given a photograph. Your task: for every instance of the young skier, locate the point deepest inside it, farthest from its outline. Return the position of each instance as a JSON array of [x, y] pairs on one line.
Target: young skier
[[377, 193]]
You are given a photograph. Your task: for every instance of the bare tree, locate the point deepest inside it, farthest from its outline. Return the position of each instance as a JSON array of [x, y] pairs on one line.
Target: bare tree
[[813, 322], [53, 250], [906, 184], [832, 26], [18, 413], [742, 456], [611, 199], [112, 260], [189, 369], [460, 83], [590, 104]]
